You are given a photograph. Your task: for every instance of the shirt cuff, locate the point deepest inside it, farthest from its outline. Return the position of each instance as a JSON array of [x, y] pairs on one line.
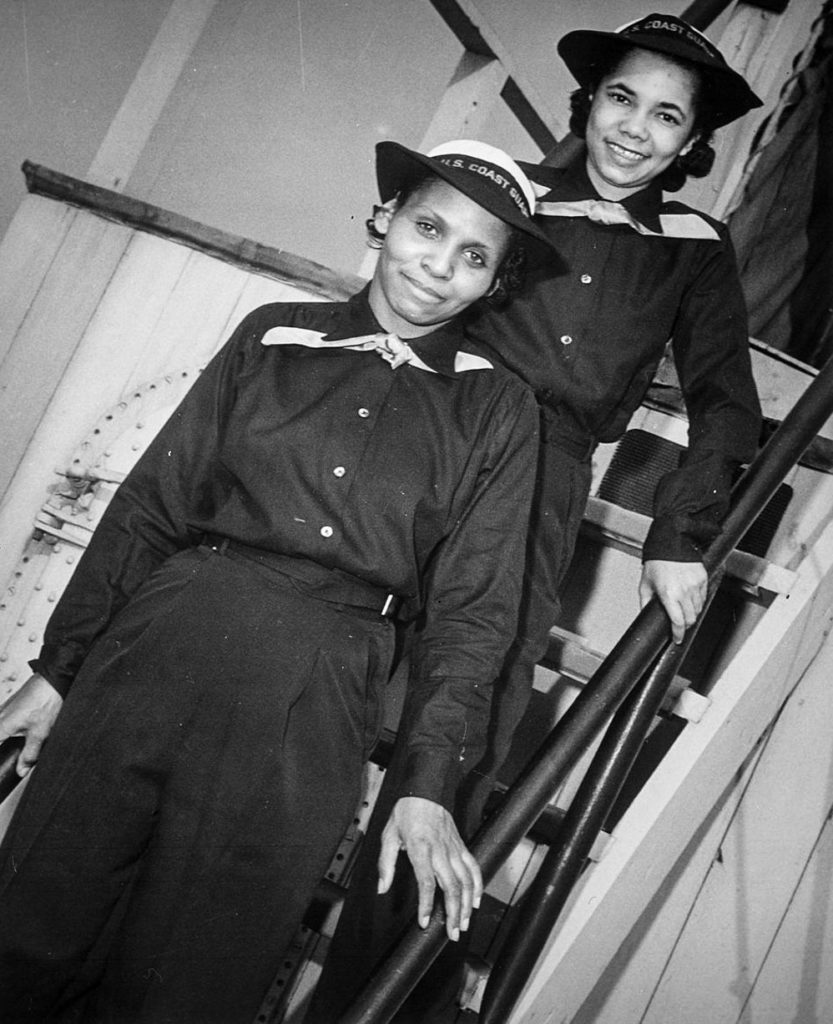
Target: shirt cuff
[[432, 776], [678, 538], [58, 664]]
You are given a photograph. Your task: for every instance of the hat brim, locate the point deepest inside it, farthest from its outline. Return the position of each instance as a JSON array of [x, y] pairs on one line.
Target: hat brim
[[397, 166], [585, 49]]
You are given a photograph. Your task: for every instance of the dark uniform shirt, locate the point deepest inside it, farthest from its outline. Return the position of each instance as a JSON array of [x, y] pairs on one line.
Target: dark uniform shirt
[[589, 342], [414, 481]]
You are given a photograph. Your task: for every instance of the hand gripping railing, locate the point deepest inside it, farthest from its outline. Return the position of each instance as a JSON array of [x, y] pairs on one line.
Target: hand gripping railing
[[645, 644]]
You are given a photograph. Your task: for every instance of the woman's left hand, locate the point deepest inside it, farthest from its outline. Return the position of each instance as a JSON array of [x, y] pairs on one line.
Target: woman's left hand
[[680, 586], [427, 833]]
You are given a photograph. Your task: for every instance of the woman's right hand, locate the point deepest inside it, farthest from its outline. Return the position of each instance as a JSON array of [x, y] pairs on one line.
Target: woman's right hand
[[31, 713]]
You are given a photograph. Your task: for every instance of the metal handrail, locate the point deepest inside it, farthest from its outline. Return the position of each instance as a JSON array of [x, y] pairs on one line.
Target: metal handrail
[[639, 648], [554, 881]]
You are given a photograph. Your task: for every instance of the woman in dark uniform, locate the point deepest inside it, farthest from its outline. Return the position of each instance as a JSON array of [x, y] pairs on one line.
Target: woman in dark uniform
[[222, 646]]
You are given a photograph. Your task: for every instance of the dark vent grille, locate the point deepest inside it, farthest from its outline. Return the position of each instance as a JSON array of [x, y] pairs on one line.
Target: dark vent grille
[[640, 461]]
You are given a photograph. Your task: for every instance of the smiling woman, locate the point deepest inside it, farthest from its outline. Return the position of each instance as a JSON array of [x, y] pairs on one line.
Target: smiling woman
[[642, 117], [442, 253], [455, 226]]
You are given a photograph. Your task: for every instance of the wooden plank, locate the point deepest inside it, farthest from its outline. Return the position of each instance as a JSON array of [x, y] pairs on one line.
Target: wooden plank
[[109, 357], [136, 118], [781, 381], [52, 327], [623, 989], [631, 528], [166, 308], [121, 330], [796, 982], [243, 252], [193, 321], [727, 937], [762, 48], [26, 253], [682, 792], [120, 314]]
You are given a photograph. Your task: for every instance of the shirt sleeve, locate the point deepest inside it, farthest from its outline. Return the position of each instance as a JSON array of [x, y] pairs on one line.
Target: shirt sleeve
[[146, 520], [711, 353], [472, 592]]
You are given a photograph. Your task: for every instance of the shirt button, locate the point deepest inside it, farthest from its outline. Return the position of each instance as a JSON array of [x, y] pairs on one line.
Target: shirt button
[[339, 471], [326, 531], [586, 279], [566, 339], [364, 413]]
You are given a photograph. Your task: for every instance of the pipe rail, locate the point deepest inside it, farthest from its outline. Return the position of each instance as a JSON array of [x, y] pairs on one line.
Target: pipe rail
[[593, 801], [638, 650]]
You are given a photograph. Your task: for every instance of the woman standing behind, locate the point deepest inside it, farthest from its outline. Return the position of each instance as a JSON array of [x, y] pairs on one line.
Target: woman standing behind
[[640, 271]]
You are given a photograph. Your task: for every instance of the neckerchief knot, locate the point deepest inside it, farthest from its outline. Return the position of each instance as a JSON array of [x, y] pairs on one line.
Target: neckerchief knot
[[389, 346], [602, 211]]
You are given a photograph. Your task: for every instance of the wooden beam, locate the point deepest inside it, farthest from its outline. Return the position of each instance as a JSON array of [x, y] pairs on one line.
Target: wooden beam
[[630, 529], [234, 249], [461, 24], [467, 101], [136, 118], [528, 116], [466, 21], [702, 13]]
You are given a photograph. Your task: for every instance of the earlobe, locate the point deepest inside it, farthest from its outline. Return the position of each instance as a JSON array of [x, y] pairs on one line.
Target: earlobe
[[383, 215]]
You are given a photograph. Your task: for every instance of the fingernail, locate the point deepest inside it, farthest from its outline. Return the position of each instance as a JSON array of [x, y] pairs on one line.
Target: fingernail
[[423, 922], [476, 902], [464, 924], [455, 934]]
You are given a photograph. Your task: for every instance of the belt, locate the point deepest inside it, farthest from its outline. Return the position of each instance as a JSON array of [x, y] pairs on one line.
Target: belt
[[560, 429], [316, 580], [580, 448]]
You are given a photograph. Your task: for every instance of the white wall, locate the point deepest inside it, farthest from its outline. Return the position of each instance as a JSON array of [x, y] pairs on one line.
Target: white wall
[[270, 129]]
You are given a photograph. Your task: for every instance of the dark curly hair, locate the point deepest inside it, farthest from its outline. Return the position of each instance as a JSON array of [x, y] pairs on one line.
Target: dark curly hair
[[698, 161], [510, 276]]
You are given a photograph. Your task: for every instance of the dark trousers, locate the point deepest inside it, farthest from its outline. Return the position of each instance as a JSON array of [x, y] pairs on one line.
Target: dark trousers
[[196, 784], [370, 925]]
